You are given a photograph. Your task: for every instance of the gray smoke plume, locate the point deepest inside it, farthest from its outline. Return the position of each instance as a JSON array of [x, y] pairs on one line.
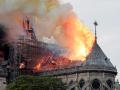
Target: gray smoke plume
[[3, 34]]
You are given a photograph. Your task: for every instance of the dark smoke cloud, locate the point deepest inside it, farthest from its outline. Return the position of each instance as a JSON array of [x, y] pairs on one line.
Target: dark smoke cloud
[[4, 47], [3, 34]]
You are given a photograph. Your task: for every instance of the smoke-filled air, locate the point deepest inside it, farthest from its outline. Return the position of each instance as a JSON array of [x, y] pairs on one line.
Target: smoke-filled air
[[53, 22]]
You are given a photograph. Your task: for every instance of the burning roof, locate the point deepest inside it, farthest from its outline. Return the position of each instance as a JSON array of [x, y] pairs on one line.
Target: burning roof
[[50, 19]]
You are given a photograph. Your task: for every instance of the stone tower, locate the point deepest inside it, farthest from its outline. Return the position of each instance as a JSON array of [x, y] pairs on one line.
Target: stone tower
[[100, 73]]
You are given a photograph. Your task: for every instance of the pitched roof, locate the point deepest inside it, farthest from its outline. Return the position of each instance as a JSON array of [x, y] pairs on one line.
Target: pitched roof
[[97, 57]]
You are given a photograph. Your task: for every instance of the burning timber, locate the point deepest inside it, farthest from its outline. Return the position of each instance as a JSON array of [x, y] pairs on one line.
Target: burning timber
[[24, 54], [27, 55]]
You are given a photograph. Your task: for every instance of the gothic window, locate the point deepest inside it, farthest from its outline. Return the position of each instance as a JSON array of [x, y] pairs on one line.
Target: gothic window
[[81, 83], [109, 83], [95, 84]]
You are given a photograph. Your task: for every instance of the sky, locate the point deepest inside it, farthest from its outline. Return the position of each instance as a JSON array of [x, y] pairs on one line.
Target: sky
[[107, 14]]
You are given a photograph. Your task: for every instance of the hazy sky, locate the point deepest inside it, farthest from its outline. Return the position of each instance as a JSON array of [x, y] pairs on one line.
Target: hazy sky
[[107, 14]]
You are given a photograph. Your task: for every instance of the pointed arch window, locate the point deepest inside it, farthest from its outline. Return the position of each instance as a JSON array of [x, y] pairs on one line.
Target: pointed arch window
[[109, 83], [82, 83], [95, 84]]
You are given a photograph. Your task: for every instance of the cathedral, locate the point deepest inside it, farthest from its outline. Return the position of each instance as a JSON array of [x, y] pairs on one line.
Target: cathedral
[[96, 73], [19, 56]]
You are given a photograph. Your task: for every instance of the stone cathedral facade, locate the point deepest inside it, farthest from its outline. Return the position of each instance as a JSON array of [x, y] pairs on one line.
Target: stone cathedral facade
[[96, 73]]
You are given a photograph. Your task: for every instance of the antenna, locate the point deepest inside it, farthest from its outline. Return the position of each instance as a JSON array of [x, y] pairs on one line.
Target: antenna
[[95, 23]]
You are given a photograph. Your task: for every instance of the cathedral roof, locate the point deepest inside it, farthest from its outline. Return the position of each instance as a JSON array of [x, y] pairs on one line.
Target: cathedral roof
[[98, 58], [96, 61]]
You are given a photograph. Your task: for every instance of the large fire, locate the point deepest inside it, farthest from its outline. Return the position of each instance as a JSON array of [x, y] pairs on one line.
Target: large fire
[[49, 62], [80, 39], [47, 15]]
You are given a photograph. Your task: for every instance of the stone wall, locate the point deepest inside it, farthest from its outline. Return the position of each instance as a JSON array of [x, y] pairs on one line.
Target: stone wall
[[2, 83], [89, 80]]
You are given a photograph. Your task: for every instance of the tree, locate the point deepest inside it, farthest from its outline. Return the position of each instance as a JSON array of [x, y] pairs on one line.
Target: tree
[[36, 83]]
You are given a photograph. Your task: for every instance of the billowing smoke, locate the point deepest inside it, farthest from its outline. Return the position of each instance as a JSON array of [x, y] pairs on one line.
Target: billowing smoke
[[4, 46], [50, 20], [3, 33]]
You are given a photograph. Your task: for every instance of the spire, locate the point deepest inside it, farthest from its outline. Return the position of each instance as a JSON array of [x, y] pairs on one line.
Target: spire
[[29, 29], [95, 23]]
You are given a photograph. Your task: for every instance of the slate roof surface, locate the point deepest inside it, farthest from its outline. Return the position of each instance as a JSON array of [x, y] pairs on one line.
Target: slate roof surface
[[98, 58]]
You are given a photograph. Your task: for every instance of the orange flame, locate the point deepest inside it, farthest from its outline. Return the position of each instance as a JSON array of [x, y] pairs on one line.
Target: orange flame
[[37, 67], [22, 65], [80, 39]]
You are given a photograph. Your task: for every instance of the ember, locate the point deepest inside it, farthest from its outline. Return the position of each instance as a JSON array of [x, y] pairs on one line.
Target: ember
[[37, 67], [22, 65]]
